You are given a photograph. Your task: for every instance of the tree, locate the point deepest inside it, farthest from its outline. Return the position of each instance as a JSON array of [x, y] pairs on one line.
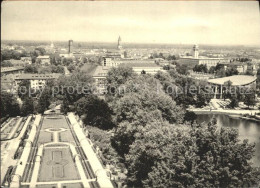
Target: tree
[[249, 99], [95, 111], [74, 87], [212, 69], [9, 105], [200, 68], [45, 97], [31, 69], [6, 64], [232, 70], [190, 117], [71, 68], [200, 156], [57, 69], [40, 51], [234, 102], [27, 106], [182, 69], [118, 76]]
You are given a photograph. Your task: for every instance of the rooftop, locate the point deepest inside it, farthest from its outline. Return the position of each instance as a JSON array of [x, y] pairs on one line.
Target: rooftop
[[140, 64], [9, 69], [237, 80], [36, 76], [202, 58], [43, 57], [100, 71]]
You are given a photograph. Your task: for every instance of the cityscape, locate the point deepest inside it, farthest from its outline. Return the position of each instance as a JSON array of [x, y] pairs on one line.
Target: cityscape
[[130, 94]]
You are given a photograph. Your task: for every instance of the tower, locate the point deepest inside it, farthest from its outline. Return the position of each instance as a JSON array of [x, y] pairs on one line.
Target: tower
[[195, 51], [119, 46], [70, 46]]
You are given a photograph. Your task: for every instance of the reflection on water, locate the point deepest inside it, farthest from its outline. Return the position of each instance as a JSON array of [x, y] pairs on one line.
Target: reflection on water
[[247, 130]]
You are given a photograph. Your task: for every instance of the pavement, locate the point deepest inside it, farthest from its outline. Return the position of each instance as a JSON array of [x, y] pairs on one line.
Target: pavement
[[10, 151]]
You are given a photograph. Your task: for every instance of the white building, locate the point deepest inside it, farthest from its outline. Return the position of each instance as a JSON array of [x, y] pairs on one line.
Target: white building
[[37, 81], [195, 59]]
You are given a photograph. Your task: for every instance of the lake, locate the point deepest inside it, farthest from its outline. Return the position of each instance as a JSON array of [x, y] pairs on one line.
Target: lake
[[247, 130]]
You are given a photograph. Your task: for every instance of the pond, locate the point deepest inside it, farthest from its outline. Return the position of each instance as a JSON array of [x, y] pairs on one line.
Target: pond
[[247, 130]]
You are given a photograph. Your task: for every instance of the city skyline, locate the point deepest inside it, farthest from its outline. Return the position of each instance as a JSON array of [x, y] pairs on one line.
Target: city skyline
[[212, 23]]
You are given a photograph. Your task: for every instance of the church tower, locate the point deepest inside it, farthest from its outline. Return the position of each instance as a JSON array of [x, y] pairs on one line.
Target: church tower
[[195, 51], [119, 46]]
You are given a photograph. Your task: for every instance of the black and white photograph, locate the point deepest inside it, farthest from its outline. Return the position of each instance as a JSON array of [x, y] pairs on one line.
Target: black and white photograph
[[130, 94]]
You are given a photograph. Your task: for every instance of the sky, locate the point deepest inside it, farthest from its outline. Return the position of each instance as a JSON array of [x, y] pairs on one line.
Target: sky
[[171, 22]]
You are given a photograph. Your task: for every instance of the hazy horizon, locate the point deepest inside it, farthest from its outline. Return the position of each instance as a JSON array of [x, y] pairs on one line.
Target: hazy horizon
[[204, 23]]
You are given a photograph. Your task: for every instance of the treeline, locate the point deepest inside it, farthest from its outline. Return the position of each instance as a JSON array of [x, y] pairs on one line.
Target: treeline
[[33, 68], [219, 70]]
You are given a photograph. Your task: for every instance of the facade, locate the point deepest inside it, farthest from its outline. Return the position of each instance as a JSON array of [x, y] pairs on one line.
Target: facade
[[143, 67], [99, 75], [195, 51], [11, 70], [195, 59], [37, 81], [43, 60]]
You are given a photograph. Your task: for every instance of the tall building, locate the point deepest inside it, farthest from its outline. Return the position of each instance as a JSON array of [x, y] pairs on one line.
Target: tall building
[[119, 46], [195, 59], [70, 46], [195, 51]]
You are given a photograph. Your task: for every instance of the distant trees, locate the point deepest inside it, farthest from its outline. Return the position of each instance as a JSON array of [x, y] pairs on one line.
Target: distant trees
[[31, 69], [44, 69], [6, 64], [200, 68], [12, 54], [182, 69], [184, 90], [40, 51], [231, 70], [71, 68]]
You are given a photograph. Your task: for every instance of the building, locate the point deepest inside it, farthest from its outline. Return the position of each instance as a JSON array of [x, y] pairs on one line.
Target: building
[[195, 51], [99, 75], [119, 46], [43, 60], [11, 70], [236, 81], [37, 81], [195, 59], [7, 83], [143, 67], [26, 60]]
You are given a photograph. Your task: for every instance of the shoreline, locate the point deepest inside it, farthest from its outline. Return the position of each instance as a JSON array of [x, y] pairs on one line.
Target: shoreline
[[226, 112]]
